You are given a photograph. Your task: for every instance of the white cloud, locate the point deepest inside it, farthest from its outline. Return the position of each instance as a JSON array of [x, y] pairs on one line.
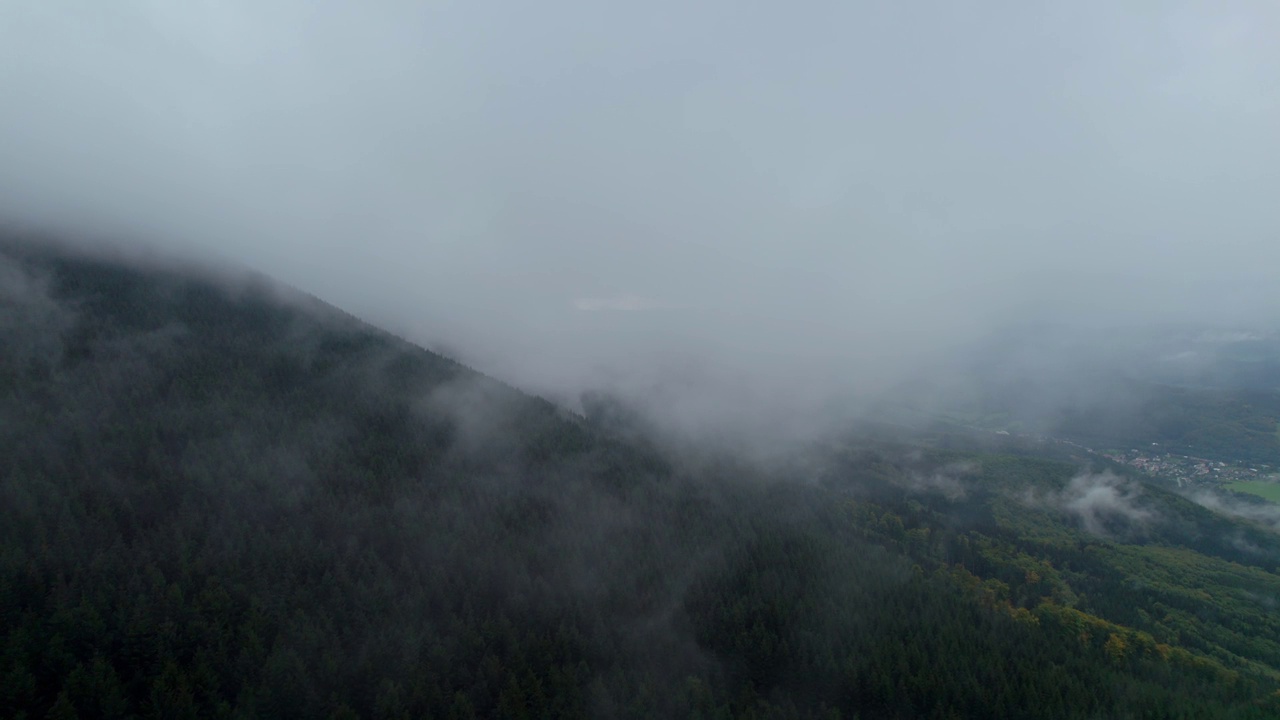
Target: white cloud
[[1101, 502]]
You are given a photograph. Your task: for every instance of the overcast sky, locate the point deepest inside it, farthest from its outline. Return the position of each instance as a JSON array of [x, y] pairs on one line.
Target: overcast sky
[[566, 192]]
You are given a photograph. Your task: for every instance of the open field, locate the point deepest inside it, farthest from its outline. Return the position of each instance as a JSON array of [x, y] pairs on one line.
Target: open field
[[1268, 490]]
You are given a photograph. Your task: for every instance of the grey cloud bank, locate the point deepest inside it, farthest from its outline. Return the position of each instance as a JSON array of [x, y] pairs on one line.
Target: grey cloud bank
[[798, 200]]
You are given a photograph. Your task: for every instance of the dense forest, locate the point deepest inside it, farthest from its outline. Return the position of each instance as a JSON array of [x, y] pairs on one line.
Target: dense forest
[[222, 499]]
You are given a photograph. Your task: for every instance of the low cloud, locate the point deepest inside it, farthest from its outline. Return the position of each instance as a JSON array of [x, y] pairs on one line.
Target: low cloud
[[534, 187], [1103, 503], [947, 481], [1262, 513]]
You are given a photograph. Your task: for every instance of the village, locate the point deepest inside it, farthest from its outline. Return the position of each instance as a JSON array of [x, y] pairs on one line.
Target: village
[[1188, 470]]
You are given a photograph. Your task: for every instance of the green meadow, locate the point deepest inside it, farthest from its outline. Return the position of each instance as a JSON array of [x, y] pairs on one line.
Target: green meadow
[[1268, 490]]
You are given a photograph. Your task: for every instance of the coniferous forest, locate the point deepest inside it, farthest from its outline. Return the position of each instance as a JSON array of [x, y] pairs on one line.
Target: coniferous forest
[[222, 499]]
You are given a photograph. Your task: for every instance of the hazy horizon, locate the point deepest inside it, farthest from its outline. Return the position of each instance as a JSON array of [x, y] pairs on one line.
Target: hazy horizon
[[808, 202]]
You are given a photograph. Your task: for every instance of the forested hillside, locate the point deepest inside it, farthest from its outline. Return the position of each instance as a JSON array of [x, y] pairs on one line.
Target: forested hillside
[[224, 500]]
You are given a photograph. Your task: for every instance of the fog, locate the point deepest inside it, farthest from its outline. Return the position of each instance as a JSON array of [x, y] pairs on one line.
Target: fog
[[765, 203], [1098, 500]]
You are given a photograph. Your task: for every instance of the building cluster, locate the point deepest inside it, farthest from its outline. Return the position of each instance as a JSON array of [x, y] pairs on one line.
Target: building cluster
[[1186, 469]]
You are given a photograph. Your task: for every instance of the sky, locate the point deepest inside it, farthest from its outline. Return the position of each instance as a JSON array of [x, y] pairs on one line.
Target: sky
[[799, 199]]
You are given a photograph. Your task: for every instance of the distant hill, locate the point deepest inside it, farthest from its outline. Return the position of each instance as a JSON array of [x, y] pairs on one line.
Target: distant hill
[[1205, 392], [221, 498]]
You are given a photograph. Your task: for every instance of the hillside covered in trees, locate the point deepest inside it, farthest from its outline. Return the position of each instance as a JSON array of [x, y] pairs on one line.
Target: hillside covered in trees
[[223, 500]]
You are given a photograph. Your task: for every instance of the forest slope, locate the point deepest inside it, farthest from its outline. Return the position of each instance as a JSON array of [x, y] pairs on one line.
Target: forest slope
[[220, 500]]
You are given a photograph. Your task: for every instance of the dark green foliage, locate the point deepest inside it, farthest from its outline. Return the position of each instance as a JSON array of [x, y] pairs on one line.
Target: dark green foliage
[[220, 504]]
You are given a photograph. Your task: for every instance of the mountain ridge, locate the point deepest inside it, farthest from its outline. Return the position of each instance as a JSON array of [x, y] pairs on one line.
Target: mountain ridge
[[218, 505]]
